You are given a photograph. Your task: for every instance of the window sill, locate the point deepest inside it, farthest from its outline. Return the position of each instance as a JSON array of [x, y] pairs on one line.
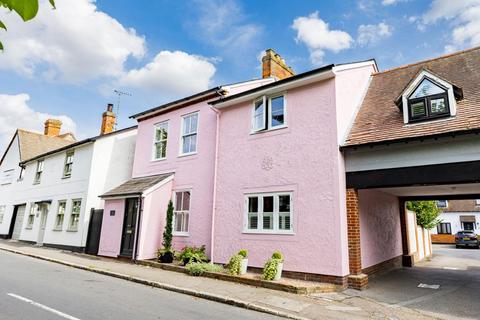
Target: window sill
[[72, 230], [269, 130], [28, 228], [57, 229], [158, 160], [265, 232], [187, 154], [35, 183], [66, 177], [181, 234]]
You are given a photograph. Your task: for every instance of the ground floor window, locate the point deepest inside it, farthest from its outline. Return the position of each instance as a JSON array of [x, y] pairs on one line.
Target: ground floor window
[[468, 226], [444, 228], [181, 213], [268, 213], [75, 215], [60, 215]]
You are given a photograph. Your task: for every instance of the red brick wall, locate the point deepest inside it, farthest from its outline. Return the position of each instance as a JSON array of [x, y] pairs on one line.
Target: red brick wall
[[353, 223]]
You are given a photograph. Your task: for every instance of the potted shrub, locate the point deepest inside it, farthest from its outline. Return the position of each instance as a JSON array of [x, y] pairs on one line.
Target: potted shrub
[[235, 264], [244, 263], [273, 267], [192, 254], [165, 255]]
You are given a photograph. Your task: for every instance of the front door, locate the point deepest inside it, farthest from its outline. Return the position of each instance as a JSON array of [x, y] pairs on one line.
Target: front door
[[129, 222], [17, 222], [43, 209]]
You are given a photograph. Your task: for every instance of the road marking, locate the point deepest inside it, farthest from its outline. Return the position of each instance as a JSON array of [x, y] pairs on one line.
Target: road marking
[[44, 307]]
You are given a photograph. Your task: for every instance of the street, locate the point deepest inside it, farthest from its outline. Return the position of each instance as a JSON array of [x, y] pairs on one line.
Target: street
[[34, 289], [457, 271]]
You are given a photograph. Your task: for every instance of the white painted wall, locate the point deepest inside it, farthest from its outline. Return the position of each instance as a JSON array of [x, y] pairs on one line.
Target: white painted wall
[[11, 160], [446, 150], [98, 167], [454, 219]]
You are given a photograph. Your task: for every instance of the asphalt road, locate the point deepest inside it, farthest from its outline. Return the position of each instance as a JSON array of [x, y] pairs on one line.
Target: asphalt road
[[38, 290], [456, 271]]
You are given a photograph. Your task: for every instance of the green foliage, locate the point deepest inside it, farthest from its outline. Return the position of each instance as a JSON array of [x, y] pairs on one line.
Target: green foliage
[[277, 255], [167, 233], [26, 9], [198, 268], [243, 253], [427, 213], [234, 265], [192, 254], [161, 252], [270, 268]]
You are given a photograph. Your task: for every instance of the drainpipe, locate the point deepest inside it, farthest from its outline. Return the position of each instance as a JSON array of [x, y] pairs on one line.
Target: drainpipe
[[138, 228], [212, 236]]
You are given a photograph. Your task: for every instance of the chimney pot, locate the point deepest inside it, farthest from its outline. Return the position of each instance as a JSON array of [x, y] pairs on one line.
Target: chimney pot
[[52, 127], [273, 65], [108, 120]]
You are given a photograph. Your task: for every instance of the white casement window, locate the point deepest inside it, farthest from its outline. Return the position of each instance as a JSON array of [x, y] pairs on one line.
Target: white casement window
[[75, 215], [7, 177], [67, 169], [181, 213], [62, 205], [160, 141], [31, 215], [269, 113], [268, 213], [38, 173], [189, 134], [2, 213]]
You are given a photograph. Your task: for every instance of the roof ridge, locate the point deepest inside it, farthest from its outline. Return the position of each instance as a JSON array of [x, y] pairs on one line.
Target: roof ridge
[[428, 60]]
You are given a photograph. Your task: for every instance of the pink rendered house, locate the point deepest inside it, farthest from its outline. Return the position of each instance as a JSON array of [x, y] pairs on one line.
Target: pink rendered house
[[174, 160], [280, 177]]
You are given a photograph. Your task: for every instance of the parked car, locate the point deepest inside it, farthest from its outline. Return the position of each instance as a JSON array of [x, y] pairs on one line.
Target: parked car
[[466, 239]]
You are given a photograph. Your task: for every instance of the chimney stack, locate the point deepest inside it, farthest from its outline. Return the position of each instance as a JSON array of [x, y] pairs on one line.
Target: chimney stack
[[52, 127], [274, 66], [108, 120]]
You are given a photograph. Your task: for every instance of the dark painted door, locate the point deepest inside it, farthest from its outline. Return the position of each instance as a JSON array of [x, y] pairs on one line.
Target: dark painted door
[[129, 222], [94, 231]]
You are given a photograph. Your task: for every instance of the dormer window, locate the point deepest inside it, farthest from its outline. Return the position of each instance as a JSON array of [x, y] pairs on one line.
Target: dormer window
[[428, 101], [428, 97]]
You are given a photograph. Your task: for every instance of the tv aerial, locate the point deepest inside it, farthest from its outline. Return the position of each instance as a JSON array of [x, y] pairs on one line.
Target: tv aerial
[[117, 109]]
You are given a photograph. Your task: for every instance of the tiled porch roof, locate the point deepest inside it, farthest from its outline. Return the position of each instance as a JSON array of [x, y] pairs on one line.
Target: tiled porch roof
[[136, 186]]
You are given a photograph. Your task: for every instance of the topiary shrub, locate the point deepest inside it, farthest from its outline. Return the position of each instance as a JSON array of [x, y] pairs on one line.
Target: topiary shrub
[[234, 265], [270, 269], [243, 253], [277, 255], [166, 254]]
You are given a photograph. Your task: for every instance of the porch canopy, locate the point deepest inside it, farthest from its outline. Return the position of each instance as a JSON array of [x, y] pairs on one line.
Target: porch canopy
[[137, 186]]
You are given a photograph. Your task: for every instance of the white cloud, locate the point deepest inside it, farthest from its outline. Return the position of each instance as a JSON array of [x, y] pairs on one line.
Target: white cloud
[[172, 74], [317, 36], [224, 24], [74, 43], [371, 34], [464, 17], [17, 114], [391, 2]]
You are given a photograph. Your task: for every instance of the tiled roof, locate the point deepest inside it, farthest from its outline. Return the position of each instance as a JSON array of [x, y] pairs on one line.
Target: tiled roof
[[33, 144], [136, 186], [380, 120]]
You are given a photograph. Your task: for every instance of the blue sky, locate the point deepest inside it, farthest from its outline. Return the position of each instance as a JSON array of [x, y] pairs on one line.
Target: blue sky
[[67, 62]]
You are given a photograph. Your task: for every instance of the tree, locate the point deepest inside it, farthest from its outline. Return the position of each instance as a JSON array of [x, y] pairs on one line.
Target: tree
[[167, 233], [26, 9], [427, 213]]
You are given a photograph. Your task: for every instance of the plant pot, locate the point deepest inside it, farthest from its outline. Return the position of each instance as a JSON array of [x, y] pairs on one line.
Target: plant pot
[[243, 266], [186, 261], [167, 257], [278, 275]]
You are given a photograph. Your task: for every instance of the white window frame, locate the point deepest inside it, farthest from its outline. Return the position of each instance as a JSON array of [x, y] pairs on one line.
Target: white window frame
[[276, 229], [187, 232], [442, 207], [155, 141], [70, 153], [56, 226], [477, 202], [33, 209], [267, 113], [182, 135], [39, 172], [70, 228], [2, 212], [7, 177]]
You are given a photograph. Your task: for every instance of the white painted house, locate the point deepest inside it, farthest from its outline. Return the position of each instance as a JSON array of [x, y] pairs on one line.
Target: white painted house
[[59, 189]]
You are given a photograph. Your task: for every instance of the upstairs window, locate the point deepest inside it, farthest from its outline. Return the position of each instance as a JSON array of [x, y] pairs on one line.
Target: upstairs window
[[38, 173], [428, 101], [269, 113], [442, 203], [160, 143], [7, 177], [189, 134], [67, 169]]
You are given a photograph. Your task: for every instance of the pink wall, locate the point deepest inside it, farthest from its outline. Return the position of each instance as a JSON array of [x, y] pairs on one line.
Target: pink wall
[[380, 231], [111, 236], [302, 158], [195, 172]]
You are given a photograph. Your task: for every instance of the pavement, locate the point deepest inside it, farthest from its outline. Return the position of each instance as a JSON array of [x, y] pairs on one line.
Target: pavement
[[455, 271], [59, 292]]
